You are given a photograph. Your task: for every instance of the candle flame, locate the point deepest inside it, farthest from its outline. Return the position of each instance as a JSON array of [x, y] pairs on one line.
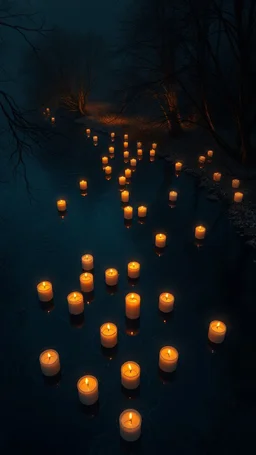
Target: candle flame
[[87, 381], [44, 284], [169, 352], [218, 324], [74, 295], [108, 327], [111, 271], [133, 264], [160, 235], [49, 355], [86, 256], [132, 296], [130, 367], [86, 274], [166, 296], [130, 417]]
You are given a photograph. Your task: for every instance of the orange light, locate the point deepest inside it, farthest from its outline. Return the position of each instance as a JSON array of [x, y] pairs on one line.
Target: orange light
[[169, 352], [130, 367], [218, 324], [74, 295], [132, 296], [87, 382], [130, 417], [111, 271], [49, 355], [133, 264], [86, 274], [86, 256], [108, 327], [44, 284], [166, 296]]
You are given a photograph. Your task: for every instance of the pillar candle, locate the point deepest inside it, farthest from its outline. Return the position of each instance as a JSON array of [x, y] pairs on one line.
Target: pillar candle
[[86, 282], [160, 240], [88, 132], [133, 162], [49, 362], [111, 149], [235, 183], [139, 152], [112, 135], [126, 154], [44, 290], [61, 205], [166, 302], [87, 387], [126, 137], [142, 211], [178, 166], [130, 425], [108, 170], [125, 196], [111, 277], [126, 144], [132, 306], [95, 138], [75, 303], [154, 145], [104, 160], [122, 180], [201, 159], [152, 152], [168, 359], [108, 335], [173, 196], [238, 197], [130, 375], [216, 176], [128, 212], [87, 262], [217, 331], [139, 145], [133, 269], [200, 232], [83, 185], [128, 173]]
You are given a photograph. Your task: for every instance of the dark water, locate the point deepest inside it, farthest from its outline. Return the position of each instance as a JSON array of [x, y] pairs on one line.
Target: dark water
[[207, 406]]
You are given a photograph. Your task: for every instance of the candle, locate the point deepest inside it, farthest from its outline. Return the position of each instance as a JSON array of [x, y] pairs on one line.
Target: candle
[[88, 132], [139, 152], [75, 303], [87, 262], [126, 154], [168, 359], [83, 185], [216, 176], [112, 135], [130, 425], [130, 375], [104, 160], [128, 212], [122, 180], [178, 166], [47, 110], [44, 290], [142, 211], [139, 145], [111, 149], [217, 331], [238, 197], [126, 137], [152, 152], [95, 139], [160, 240], [125, 196], [154, 145], [61, 205], [235, 183], [126, 144], [49, 362], [87, 387], [210, 153], [53, 119], [132, 306], [133, 269], [128, 173], [133, 162], [173, 196], [111, 277], [108, 170], [108, 335], [166, 302], [86, 282], [201, 159], [200, 232]]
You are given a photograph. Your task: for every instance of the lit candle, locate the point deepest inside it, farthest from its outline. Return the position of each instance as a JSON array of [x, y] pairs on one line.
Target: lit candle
[[152, 152], [111, 277], [125, 196], [111, 149], [238, 197], [139, 145], [86, 282], [49, 362], [75, 303], [133, 269], [160, 240], [139, 152], [130, 425], [88, 132], [87, 262], [88, 392], [166, 302], [104, 160], [53, 119], [83, 185], [47, 110], [126, 154], [216, 176], [154, 146], [126, 137], [130, 375], [95, 139], [217, 331], [122, 180], [235, 183], [128, 212], [178, 166], [210, 153], [112, 135], [173, 196], [201, 159], [61, 205], [128, 173], [133, 162], [126, 144], [200, 232], [108, 170], [108, 335], [168, 359], [132, 305], [44, 290], [142, 211]]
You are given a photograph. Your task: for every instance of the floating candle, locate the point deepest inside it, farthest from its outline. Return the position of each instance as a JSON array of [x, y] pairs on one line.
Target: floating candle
[[108, 170], [166, 302], [126, 154], [168, 359], [152, 152], [111, 149], [88, 131], [128, 173], [238, 197], [122, 180], [173, 196], [160, 240], [104, 160], [133, 162], [235, 183], [111, 277], [126, 137], [130, 375], [108, 335], [133, 269], [132, 306], [112, 135], [47, 110], [61, 205], [125, 196], [139, 145], [87, 262], [86, 282], [154, 145], [75, 303], [53, 119], [142, 211], [216, 176], [130, 425], [87, 387], [200, 232], [83, 185], [139, 152], [128, 212], [95, 139], [178, 166], [201, 159], [217, 331], [49, 362], [44, 290], [126, 144], [210, 153]]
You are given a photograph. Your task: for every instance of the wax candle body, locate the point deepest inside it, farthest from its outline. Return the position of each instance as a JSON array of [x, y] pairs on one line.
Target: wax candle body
[[216, 176], [210, 153], [217, 331], [128, 212], [130, 375], [126, 144], [178, 166], [130, 425], [122, 180], [160, 240], [128, 173], [44, 290], [133, 269], [125, 196], [83, 185], [142, 211], [75, 303], [235, 183], [111, 149], [133, 162], [111, 277], [104, 160], [49, 362], [166, 302], [154, 145], [108, 335], [173, 196], [168, 359], [200, 232], [201, 159], [139, 145], [139, 152], [238, 197], [87, 262], [108, 170], [126, 154], [61, 205], [86, 282], [152, 152], [132, 306], [87, 387]]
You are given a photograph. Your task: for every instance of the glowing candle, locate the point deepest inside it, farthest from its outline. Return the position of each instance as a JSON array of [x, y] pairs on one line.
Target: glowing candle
[[111, 149], [83, 185], [111, 277], [152, 152], [87, 262], [130, 375], [173, 196], [112, 135], [108, 335], [217, 331], [53, 119], [142, 211], [95, 139], [210, 153], [160, 240], [104, 160], [178, 166], [154, 145], [108, 170], [216, 176], [61, 205], [122, 180], [126, 137], [88, 131], [126, 154], [132, 305], [49, 362], [201, 159], [235, 183], [88, 392], [126, 144], [75, 303], [47, 110], [125, 196], [133, 162], [44, 290], [133, 269], [238, 197], [86, 282], [128, 173], [139, 152], [130, 425], [168, 359], [139, 145], [166, 302], [200, 232], [128, 212]]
